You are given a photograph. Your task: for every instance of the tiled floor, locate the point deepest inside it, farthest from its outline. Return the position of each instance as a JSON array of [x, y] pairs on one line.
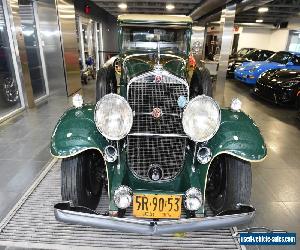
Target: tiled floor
[[24, 150]]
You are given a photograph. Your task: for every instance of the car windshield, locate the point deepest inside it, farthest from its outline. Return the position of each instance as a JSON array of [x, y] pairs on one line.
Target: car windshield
[[146, 39], [281, 57], [252, 55], [243, 52]]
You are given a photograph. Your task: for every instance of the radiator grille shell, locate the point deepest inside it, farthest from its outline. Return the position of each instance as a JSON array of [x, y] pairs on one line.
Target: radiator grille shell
[[156, 141]]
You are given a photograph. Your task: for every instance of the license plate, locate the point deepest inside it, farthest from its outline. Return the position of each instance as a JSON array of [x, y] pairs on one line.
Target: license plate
[[157, 206]]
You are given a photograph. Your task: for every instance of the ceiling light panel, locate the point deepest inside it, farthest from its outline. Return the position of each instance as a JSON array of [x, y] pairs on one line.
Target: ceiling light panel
[[263, 9], [122, 6], [170, 6]]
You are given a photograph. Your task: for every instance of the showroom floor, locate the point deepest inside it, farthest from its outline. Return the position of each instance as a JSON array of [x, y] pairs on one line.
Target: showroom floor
[[24, 150], [276, 185]]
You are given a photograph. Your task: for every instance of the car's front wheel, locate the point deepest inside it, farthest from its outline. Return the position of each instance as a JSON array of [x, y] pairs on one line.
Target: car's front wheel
[[229, 183], [82, 178]]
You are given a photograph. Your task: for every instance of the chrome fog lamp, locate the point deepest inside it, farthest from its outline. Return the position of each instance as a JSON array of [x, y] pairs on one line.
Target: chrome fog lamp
[[113, 117], [123, 197], [110, 153], [204, 155], [201, 118], [193, 199]]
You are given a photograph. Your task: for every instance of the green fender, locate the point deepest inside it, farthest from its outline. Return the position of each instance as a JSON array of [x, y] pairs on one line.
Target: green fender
[[75, 132], [238, 135]]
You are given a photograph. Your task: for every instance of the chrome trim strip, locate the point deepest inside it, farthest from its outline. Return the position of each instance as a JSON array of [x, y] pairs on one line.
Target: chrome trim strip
[[158, 135], [145, 113]]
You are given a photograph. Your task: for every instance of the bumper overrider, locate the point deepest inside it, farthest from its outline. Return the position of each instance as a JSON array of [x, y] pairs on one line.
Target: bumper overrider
[[67, 213]]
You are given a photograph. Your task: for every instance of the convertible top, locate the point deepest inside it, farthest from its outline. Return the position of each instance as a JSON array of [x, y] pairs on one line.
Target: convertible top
[[141, 18]]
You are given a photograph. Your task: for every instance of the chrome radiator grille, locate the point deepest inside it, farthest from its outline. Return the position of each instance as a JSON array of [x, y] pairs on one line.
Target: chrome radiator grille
[[156, 141], [144, 151]]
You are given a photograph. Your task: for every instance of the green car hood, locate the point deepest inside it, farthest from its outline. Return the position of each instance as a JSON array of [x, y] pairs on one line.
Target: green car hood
[[136, 64]]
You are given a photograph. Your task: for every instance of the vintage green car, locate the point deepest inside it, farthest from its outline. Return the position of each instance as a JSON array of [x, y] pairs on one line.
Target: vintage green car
[[156, 141]]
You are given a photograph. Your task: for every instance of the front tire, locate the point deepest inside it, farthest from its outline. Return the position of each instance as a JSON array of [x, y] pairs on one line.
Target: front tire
[[82, 178], [201, 83], [229, 183], [106, 82]]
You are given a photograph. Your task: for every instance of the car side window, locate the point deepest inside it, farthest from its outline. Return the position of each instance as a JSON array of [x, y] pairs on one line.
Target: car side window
[[296, 60], [255, 56], [264, 56]]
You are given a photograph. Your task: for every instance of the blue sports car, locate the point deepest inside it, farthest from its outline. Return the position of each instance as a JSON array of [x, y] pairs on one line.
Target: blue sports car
[[248, 72]]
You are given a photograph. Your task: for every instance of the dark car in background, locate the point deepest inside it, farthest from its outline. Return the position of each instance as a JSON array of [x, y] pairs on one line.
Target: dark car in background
[[253, 55], [241, 52], [280, 86], [9, 93]]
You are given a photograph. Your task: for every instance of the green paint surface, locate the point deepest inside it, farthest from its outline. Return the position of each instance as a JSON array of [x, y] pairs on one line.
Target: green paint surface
[[238, 135]]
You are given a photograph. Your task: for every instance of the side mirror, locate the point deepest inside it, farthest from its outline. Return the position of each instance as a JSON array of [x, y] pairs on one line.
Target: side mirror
[[289, 64]]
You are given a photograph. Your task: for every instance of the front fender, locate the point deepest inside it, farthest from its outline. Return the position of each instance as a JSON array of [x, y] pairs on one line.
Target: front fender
[[76, 132], [239, 136]]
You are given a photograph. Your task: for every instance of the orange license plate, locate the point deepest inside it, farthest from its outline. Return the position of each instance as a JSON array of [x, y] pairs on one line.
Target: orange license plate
[[157, 206]]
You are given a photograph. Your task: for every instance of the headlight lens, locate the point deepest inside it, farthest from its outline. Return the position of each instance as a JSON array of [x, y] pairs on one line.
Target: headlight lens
[[289, 83], [201, 118], [113, 116]]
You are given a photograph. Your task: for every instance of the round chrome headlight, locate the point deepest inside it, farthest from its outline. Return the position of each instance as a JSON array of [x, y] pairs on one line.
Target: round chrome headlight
[[113, 116], [201, 118]]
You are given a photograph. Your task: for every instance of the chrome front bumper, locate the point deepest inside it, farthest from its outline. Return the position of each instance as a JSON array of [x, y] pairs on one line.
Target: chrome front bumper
[[64, 212]]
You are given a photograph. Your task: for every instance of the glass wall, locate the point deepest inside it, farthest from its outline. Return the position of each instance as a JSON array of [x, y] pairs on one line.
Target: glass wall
[[32, 48], [9, 92]]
